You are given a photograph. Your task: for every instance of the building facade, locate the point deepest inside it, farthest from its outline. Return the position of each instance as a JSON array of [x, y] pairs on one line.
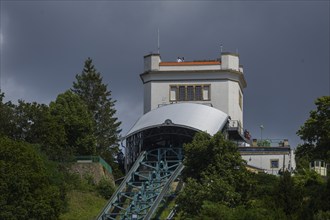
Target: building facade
[[271, 160], [185, 97], [216, 83]]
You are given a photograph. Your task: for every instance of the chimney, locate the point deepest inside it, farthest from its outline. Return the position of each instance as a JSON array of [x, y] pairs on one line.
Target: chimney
[[254, 143], [151, 62], [230, 61]]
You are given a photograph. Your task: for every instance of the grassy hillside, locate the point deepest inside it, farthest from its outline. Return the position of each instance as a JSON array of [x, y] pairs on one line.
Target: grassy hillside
[[83, 205]]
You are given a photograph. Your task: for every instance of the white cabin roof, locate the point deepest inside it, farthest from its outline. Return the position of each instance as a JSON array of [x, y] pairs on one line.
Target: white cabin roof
[[194, 116]]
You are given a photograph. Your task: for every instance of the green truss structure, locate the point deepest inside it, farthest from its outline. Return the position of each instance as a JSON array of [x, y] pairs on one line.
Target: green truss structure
[[145, 185]]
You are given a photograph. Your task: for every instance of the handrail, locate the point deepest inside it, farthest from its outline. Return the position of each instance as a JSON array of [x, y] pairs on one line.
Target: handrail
[[154, 206], [121, 186]]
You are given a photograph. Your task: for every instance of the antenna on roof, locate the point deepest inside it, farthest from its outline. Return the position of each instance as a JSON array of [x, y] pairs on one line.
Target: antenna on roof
[[158, 47], [221, 48]]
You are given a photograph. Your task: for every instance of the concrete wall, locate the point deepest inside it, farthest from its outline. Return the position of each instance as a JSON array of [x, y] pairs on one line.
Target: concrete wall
[[234, 109], [225, 86], [224, 95], [263, 161], [147, 97], [94, 170], [230, 61]]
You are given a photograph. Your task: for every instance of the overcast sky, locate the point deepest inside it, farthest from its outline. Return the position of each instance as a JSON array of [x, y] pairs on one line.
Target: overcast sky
[[283, 46]]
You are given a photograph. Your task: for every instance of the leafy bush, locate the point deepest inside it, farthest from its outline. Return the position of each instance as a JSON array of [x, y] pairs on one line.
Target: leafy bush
[[105, 188], [30, 186]]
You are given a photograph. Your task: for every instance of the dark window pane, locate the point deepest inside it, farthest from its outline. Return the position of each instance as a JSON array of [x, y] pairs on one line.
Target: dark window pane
[[198, 93], [274, 163], [190, 93], [182, 93]]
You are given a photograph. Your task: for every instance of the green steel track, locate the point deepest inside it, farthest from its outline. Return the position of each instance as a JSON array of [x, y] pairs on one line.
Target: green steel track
[[144, 186]]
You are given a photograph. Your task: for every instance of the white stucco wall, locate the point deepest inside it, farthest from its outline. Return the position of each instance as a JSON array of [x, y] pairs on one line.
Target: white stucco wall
[[229, 61], [225, 86], [263, 161], [151, 62], [147, 97], [234, 109], [223, 95]]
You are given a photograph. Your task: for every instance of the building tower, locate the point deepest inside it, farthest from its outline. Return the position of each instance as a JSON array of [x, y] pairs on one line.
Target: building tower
[[216, 83]]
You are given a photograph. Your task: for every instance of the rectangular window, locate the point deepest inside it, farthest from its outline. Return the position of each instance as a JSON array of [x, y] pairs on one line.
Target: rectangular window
[[173, 93], [182, 93], [198, 93], [206, 92], [190, 93], [274, 163]]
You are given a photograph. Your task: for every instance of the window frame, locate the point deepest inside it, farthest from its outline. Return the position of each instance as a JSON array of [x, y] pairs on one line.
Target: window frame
[[176, 88], [274, 160]]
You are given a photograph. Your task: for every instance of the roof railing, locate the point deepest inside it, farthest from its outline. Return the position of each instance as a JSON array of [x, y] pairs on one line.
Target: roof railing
[[270, 143]]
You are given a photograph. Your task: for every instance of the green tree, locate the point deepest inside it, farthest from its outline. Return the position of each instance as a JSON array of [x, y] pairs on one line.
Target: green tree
[[7, 125], [214, 172], [71, 112], [316, 132], [90, 88], [315, 192], [30, 186], [33, 123], [287, 196]]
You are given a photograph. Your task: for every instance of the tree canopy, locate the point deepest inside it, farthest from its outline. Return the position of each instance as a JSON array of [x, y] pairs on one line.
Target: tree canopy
[[30, 186], [316, 133], [72, 112], [215, 172], [90, 88], [219, 187]]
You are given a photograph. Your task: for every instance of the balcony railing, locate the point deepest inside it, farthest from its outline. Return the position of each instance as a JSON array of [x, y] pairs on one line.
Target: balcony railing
[[235, 125]]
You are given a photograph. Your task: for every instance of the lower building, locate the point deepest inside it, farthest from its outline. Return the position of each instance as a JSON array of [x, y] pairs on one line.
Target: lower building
[[271, 160]]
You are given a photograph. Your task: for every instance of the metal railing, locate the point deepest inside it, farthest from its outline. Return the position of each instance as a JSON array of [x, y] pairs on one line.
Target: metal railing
[[235, 124], [270, 143], [94, 159]]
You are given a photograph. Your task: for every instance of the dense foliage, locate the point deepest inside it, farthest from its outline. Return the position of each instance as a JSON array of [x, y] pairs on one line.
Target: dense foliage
[[215, 173], [78, 122], [30, 186], [71, 112], [90, 88], [219, 187], [316, 134]]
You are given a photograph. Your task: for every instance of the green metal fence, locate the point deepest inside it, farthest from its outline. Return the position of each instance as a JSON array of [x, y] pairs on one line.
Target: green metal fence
[[95, 159]]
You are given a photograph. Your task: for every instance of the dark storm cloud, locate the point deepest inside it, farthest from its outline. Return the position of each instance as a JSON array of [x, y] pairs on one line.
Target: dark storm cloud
[[283, 46]]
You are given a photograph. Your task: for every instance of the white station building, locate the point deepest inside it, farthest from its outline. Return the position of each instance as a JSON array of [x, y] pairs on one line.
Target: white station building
[[216, 83], [184, 97]]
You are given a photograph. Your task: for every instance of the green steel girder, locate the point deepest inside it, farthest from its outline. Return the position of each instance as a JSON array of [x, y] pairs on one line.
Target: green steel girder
[[145, 185]]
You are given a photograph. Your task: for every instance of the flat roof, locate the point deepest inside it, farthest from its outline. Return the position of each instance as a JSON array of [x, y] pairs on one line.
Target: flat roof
[[190, 63]]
